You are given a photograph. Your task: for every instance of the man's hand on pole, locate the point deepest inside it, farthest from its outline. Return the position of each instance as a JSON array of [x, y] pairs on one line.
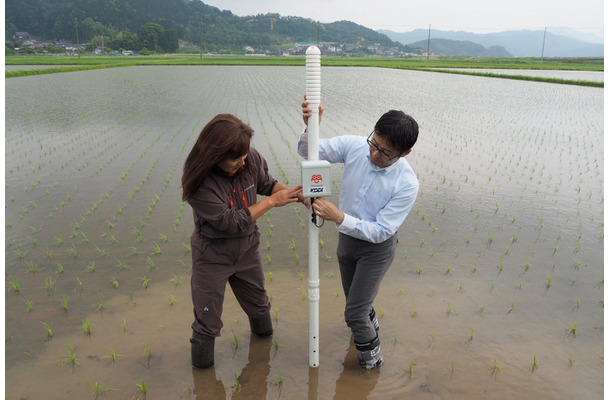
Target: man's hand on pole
[[307, 111]]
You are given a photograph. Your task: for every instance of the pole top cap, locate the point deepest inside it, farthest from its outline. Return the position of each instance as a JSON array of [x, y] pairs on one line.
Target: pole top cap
[[313, 50]]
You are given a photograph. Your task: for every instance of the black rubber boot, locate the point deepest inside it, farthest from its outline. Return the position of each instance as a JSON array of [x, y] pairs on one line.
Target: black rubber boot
[[261, 326], [202, 351], [369, 354]]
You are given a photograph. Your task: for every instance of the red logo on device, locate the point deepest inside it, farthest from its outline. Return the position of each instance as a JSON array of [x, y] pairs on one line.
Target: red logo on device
[[316, 178]]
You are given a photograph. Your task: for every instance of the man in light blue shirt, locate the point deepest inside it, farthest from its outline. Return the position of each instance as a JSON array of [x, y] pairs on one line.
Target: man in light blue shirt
[[378, 191]]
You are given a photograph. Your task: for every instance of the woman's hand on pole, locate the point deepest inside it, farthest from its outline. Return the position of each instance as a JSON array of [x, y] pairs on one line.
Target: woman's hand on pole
[[286, 196]]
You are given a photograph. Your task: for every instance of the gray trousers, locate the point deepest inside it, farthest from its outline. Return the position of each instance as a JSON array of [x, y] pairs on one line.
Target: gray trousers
[[363, 265], [216, 262]]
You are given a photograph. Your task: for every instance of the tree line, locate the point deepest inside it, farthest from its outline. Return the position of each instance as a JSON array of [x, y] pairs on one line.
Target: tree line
[[146, 24]]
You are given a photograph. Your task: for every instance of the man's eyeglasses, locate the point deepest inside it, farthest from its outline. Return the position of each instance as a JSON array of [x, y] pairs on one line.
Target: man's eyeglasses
[[383, 152]]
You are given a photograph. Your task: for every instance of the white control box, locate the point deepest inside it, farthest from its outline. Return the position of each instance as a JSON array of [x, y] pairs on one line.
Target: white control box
[[316, 178]]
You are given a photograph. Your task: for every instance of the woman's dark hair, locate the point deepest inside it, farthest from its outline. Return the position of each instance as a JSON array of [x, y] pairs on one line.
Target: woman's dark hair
[[224, 137], [398, 129]]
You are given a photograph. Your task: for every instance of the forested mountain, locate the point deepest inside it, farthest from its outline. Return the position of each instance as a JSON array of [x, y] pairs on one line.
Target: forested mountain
[[192, 21], [446, 47]]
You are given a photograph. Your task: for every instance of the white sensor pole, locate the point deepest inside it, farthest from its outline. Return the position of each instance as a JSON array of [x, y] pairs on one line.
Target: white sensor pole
[[313, 89]]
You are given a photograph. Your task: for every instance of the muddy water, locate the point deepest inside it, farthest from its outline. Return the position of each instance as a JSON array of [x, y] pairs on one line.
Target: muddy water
[[501, 256]]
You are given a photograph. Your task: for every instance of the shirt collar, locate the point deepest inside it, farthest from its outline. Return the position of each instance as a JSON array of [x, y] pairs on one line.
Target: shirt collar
[[385, 170]]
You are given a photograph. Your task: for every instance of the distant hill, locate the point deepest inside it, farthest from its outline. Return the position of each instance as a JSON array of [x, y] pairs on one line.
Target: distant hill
[[522, 43], [446, 47]]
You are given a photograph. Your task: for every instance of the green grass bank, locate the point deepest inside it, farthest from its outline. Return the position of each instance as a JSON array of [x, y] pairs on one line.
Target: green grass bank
[[56, 64]]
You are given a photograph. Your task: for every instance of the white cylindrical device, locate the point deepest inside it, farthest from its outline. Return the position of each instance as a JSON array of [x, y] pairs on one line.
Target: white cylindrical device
[[313, 92]]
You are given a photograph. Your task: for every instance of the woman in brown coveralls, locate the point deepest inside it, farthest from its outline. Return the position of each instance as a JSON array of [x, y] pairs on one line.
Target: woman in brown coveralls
[[221, 179]]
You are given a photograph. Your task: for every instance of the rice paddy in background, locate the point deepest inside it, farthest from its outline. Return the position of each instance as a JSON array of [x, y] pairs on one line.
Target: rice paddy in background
[[496, 290]]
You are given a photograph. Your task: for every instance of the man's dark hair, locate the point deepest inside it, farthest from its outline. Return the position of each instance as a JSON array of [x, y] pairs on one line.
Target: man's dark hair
[[398, 129]]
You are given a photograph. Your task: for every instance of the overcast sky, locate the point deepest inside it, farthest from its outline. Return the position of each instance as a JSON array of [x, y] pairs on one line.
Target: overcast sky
[[479, 16]]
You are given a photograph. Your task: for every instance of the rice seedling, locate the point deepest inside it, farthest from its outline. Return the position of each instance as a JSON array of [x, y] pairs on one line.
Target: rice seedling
[[512, 306], [141, 390], [50, 253], [91, 266], [60, 269], [448, 311], [156, 248], [490, 238], [99, 389], [29, 304], [72, 250], [122, 266], [500, 266], [113, 355], [14, 285], [268, 259], [145, 281], [547, 283], [275, 344], [410, 369], [147, 352], [413, 311], [451, 370], [278, 379], [124, 325], [151, 263], [49, 283], [64, 303], [235, 341], [495, 368], [175, 280], [572, 330], [69, 357], [32, 267], [571, 360], [448, 270], [269, 276], [534, 364], [433, 338], [86, 326], [171, 299], [48, 329], [577, 264], [100, 302], [470, 337], [236, 386]]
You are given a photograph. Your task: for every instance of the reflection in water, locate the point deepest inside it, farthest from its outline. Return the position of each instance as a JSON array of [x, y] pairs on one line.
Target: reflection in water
[[207, 386], [313, 383], [252, 380], [355, 382]]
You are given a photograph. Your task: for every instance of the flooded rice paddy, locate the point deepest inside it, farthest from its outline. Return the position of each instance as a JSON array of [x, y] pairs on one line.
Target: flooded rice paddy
[[496, 290]]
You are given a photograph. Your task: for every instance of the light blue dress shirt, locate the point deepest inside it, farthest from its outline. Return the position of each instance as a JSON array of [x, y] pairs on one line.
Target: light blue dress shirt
[[375, 200]]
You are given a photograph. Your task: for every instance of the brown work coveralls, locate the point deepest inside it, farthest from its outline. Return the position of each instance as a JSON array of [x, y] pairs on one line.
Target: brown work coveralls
[[225, 244]]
